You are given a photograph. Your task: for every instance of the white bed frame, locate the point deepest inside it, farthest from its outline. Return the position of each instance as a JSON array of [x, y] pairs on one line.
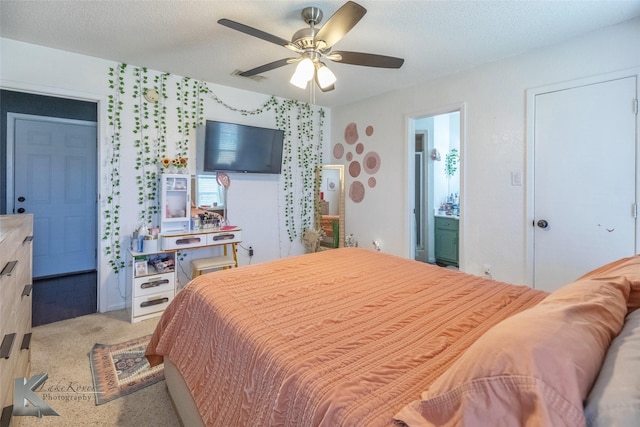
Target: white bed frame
[[180, 396]]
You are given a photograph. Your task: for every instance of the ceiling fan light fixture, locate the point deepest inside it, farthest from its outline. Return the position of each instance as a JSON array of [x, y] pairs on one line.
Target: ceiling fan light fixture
[[298, 81], [314, 44], [325, 76], [304, 73]]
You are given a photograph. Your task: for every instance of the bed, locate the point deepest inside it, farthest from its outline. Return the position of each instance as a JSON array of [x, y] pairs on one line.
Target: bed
[[353, 337]]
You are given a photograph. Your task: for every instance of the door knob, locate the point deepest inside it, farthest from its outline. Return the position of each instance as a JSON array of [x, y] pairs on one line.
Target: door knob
[[21, 199], [543, 223], [20, 210]]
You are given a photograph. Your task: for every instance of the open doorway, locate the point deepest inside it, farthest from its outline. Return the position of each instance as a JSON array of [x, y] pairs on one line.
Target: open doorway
[[49, 146], [435, 149]]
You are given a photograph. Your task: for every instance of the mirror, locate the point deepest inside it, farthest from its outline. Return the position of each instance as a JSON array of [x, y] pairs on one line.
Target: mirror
[[331, 214]]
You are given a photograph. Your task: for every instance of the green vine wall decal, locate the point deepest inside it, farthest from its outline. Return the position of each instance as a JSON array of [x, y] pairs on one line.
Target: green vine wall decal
[[159, 114], [309, 157], [283, 121], [299, 201], [185, 117], [160, 124], [146, 148], [148, 129], [112, 210], [198, 104]]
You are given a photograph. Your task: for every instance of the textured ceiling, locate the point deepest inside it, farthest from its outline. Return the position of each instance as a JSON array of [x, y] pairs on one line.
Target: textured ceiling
[[183, 37]]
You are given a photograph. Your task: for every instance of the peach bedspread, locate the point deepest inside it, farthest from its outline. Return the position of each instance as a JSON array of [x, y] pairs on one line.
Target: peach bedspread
[[345, 337]]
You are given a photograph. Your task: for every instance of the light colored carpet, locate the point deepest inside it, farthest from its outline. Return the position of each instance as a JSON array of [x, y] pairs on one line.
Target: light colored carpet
[[61, 350]]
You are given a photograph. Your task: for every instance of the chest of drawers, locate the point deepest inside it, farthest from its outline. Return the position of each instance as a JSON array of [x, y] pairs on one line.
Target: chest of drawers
[[15, 307]]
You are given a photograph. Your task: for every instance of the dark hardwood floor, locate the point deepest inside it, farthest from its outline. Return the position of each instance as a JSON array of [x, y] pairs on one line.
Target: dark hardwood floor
[[64, 297]]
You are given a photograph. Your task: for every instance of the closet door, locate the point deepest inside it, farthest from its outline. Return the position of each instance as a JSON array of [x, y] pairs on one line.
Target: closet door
[[584, 179], [55, 180]]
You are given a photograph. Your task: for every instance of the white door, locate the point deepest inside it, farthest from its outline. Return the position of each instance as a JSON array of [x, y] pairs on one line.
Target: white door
[[584, 180], [54, 178]]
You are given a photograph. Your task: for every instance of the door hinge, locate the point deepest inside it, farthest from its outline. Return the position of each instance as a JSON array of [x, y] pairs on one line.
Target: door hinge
[[635, 106], [634, 210]]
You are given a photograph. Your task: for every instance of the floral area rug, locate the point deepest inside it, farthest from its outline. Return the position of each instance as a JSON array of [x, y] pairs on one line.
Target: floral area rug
[[121, 369]]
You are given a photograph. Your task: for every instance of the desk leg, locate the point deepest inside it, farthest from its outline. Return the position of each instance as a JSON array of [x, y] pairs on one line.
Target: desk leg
[[235, 253]]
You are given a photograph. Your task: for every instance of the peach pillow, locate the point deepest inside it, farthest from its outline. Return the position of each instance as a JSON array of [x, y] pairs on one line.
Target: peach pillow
[[536, 367]]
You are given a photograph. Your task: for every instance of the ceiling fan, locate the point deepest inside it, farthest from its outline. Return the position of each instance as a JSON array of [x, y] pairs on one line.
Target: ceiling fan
[[314, 46]]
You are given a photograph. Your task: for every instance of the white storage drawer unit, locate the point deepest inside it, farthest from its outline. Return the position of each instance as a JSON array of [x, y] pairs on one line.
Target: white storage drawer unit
[[152, 284]]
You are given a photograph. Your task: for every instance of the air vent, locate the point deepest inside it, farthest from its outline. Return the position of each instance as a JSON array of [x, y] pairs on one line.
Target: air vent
[[256, 77]]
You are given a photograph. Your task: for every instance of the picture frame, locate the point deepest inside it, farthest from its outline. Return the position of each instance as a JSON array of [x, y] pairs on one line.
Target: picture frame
[[141, 268]]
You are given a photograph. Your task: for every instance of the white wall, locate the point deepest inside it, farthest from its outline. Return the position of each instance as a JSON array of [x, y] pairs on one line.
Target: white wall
[[492, 145], [255, 202]]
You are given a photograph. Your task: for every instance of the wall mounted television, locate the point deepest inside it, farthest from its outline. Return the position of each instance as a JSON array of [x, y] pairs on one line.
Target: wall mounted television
[[232, 147]]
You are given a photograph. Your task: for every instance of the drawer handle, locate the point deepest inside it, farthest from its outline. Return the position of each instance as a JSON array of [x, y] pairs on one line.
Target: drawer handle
[[147, 285], [227, 236], [188, 241], [8, 269], [7, 343], [7, 413], [154, 302], [27, 290], [26, 341], [28, 239]]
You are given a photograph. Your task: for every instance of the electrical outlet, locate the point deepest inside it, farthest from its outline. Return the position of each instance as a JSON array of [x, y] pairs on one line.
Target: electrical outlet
[[487, 270], [376, 245], [250, 251]]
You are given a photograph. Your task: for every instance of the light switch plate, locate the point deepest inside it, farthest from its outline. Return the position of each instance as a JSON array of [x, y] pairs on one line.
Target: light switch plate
[[516, 178]]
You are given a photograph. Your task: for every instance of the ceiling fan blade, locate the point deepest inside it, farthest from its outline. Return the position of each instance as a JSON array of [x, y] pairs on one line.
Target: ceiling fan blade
[[340, 23], [366, 59], [254, 32], [267, 67]]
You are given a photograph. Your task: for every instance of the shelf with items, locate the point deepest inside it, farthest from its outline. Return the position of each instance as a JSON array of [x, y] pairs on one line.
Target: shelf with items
[[153, 263], [175, 202]]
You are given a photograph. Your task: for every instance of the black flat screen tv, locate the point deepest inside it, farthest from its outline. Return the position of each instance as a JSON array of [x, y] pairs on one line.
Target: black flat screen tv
[[232, 147]]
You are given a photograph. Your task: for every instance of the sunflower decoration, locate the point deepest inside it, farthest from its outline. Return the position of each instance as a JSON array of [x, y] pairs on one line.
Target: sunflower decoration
[[179, 162]]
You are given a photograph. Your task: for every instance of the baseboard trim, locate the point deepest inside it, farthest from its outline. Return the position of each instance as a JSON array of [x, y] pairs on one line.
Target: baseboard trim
[[115, 307]]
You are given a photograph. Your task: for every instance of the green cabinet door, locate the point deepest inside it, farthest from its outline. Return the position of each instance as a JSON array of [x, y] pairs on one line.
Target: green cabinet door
[[446, 240]]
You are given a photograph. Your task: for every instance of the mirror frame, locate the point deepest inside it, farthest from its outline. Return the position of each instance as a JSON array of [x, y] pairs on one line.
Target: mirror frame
[[341, 201]]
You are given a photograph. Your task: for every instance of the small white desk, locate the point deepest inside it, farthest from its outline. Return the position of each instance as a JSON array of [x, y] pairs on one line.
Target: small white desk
[[153, 274]]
